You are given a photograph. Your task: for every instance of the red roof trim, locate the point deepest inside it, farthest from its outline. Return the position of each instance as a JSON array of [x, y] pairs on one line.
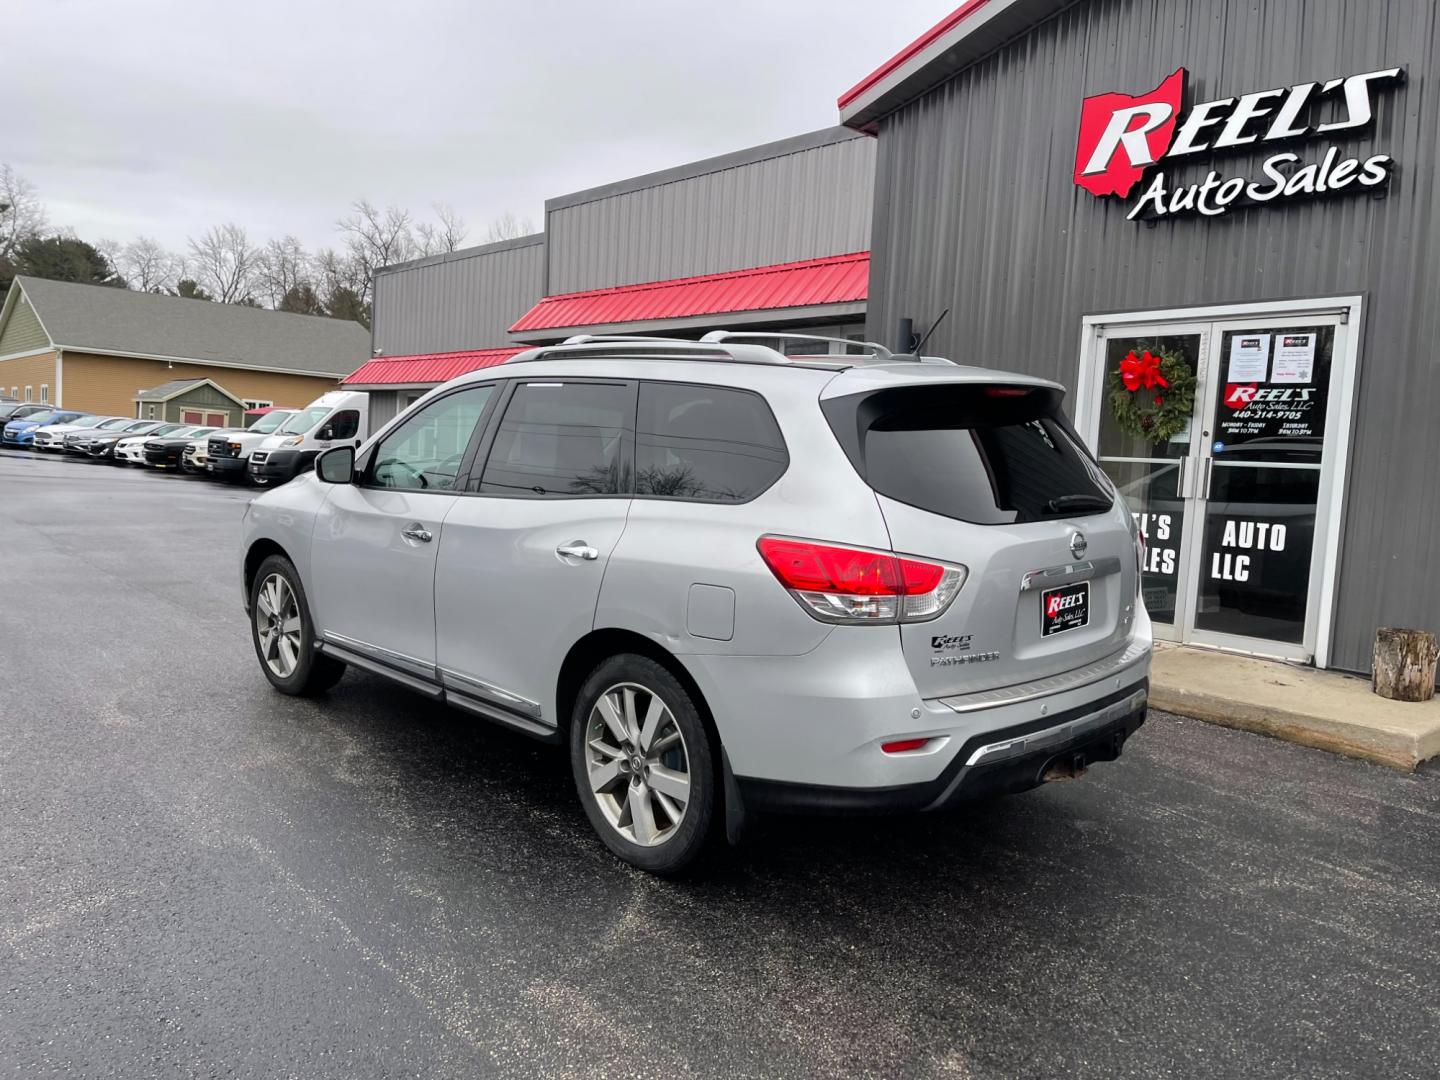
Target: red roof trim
[[919, 45], [836, 279], [426, 368]]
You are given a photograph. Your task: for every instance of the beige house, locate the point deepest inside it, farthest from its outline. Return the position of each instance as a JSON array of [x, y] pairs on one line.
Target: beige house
[[96, 348]]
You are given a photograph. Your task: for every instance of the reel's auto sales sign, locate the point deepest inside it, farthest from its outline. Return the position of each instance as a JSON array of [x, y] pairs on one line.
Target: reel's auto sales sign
[[1122, 137]]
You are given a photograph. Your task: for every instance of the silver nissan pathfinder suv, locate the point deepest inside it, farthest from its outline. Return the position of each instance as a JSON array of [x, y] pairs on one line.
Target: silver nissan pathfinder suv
[[730, 580]]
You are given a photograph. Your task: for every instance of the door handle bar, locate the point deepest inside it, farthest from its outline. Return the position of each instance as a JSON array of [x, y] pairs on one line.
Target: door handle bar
[[577, 549], [418, 532]]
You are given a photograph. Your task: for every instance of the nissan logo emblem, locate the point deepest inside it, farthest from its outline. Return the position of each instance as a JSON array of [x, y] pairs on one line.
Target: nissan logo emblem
[[1078, 544]]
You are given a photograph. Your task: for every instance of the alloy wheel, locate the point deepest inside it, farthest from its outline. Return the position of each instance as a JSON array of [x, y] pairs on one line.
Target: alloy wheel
[[278, 625], [637, 764]]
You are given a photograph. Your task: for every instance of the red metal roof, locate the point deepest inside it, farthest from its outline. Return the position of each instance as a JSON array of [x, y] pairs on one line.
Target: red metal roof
[[426, 367], [836, 279], [919, 45]]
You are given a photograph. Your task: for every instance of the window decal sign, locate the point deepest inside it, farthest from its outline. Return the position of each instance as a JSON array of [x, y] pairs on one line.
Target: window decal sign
[[1124, 137]]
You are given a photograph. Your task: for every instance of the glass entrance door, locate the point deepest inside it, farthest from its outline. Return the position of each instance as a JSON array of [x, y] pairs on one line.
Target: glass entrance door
[[1230, 491], [1264, 447]]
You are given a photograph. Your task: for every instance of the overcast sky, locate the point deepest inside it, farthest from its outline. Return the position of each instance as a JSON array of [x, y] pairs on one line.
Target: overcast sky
[[163, 118]]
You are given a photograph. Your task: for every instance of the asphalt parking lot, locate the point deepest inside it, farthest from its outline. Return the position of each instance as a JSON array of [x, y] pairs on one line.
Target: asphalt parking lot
[[200, 877]]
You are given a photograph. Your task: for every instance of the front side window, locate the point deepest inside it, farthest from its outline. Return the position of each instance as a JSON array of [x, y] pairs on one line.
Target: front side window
[[561, 439], [344, 424], [425, 451], [707, 443]]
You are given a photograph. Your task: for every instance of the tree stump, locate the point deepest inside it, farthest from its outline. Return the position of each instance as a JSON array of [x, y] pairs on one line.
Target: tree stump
[[1404, 664]]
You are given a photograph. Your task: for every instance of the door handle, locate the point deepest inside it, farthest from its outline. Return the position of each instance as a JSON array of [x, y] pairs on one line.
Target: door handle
[[1205, 483], [416, 531], [577, 549]]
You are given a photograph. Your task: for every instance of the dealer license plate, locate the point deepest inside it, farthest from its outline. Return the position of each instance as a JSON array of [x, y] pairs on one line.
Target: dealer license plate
[[1064, 608]]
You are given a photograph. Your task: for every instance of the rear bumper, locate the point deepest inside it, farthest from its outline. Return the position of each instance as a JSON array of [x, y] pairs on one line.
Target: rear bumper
[[998, 763], [808, 730]]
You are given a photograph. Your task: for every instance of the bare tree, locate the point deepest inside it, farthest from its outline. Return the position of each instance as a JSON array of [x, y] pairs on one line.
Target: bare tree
[[147, 266], [376, 238], [283, 265], [225, 264], [507, 227], [446, 234], [21, 214]]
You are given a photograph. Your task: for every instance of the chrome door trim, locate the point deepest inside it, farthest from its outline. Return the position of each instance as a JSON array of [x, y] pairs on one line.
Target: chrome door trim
[[489, 692], [422, 685], [424, 668], [495, 714], [1063, 575]]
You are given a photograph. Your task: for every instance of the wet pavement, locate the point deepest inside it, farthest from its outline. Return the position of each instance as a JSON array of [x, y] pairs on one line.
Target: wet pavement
[[200, 877]]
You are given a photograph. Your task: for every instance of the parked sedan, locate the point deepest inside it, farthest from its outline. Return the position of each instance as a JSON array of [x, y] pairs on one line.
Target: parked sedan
[[51, 437], [71, 442], [101, 444], [130, 450], [22, 432], [166, 452]]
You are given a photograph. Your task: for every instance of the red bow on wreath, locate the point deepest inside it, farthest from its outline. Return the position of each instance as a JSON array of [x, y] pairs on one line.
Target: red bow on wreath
[[1142, 370]]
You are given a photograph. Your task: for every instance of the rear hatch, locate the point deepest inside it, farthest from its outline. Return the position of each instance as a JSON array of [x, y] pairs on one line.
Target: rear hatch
[[982, 470]]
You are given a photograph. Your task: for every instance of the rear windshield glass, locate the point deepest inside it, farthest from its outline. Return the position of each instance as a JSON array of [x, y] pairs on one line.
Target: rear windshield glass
[[992, 455]]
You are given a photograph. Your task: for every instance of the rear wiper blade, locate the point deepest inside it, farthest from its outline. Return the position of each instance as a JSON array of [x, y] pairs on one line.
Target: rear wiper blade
[[1065, 504]]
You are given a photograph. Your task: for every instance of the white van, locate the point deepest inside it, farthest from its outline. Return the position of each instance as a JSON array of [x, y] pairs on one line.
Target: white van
[[339, 418]]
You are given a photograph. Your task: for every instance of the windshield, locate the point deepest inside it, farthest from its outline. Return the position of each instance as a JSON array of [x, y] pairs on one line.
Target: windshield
[[40, 418], [269, 422], [70, 418], [195, 433], [114, 425], [304, 420], [991, 455], [166, 429], [142, 428]]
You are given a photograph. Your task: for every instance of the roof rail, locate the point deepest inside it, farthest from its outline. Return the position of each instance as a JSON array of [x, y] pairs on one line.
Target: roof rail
[[587, 339], [867, 348], [650, 348]]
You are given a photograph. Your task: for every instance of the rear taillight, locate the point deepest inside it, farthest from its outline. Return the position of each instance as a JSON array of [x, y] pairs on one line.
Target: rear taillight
[[848, 585]]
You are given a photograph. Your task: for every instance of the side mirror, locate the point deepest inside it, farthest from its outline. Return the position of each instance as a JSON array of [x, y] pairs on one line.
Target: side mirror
[[336, 466]]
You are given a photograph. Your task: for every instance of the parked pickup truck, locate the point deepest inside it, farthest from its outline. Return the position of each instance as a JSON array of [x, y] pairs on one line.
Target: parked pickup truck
[[339, 418], [227, 453]]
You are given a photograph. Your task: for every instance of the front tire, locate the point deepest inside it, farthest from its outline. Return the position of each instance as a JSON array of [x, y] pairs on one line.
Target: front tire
[[644, 764], [284, 634]]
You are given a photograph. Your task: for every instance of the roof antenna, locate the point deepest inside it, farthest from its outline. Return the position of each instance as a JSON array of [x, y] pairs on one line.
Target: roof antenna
[[920, 348]]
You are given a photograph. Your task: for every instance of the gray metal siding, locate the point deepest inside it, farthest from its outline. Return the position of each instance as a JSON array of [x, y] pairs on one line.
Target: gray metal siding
[[797, 204], [976, 211], [384, 405], [466, 300]]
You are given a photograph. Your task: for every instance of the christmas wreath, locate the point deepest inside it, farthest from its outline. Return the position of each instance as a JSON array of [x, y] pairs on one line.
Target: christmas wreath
[[1152, 393]]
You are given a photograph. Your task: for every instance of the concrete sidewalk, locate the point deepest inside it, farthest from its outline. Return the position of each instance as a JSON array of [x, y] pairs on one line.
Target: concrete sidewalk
[[1330, 711]]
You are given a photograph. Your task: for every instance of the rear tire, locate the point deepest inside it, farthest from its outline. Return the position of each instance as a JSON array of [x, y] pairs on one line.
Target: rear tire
[[644, 764], [284, 634]]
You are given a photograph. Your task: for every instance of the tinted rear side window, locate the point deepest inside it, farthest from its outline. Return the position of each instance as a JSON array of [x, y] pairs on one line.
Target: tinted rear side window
[[561, 439], [706, 443], [991, 455]]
